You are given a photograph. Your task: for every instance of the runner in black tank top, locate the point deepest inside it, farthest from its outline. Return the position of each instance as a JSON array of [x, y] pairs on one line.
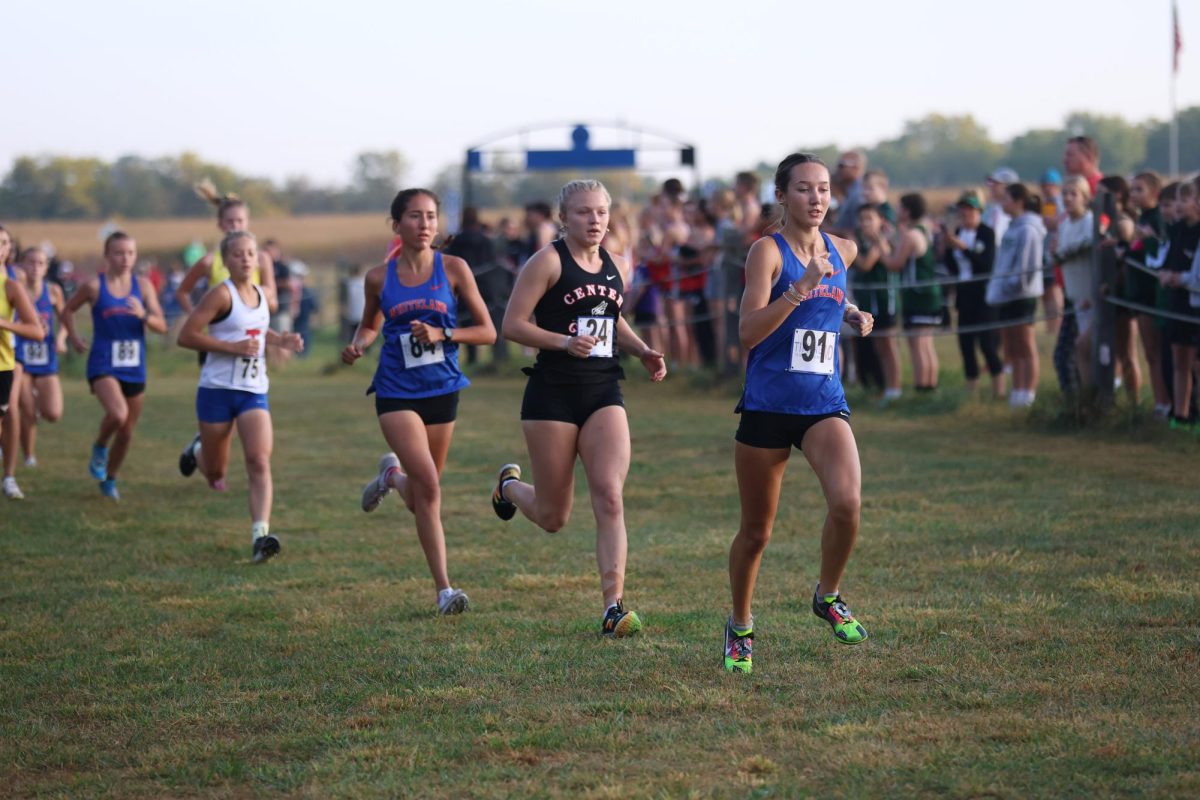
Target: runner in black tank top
[[573, 405], [581, 298]]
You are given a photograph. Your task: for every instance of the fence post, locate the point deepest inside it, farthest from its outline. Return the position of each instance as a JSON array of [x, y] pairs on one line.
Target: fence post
[[1104, 324]]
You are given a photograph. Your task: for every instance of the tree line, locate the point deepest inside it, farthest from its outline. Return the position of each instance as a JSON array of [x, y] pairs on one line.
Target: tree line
[[936, 150]]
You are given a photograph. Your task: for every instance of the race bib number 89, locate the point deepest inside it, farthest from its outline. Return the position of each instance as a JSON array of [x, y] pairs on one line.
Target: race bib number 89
[[417, 354], [813, 351], [602, 329], [35, 354], [127, 353]]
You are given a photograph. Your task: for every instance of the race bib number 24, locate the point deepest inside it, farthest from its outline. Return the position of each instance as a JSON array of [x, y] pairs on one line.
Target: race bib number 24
[[602, 329]]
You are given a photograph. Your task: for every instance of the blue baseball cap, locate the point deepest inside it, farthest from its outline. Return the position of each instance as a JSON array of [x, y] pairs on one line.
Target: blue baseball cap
[[1052, 177]]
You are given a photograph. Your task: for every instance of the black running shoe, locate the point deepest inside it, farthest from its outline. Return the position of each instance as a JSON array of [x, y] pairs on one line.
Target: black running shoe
[[618, 622], [504, 508], [265, 547], [187, 459]]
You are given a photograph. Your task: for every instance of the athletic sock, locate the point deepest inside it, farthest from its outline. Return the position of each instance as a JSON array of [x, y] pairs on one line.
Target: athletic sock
[[892, 394], [503, 485], [741, 628], [258, 530], [444, 593]]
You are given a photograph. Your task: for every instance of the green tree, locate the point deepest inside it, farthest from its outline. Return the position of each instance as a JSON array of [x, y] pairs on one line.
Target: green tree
[[937, 151], [1036, 151], [1158, 143], [1122, 143], [378, 175]]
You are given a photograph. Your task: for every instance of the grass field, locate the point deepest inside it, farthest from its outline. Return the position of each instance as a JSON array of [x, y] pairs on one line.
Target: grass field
[[1031, 595]]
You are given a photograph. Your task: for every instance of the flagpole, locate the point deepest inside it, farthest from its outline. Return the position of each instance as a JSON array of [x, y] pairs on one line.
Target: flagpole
[[1176, 43], [1174, 130]]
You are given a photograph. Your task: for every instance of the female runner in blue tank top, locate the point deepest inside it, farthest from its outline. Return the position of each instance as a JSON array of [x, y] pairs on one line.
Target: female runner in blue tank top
[[17, 318], [124, 305], [567, 303], [415, 297], [41, 393], [792, 310]]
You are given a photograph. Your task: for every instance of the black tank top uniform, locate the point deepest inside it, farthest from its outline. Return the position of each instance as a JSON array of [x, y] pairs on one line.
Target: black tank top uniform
[[581, 303]]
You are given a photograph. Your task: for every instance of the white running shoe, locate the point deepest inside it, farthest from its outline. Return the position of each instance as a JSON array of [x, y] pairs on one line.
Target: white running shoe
[[31, 461], [452, 601], [377, 489], [11, 490]]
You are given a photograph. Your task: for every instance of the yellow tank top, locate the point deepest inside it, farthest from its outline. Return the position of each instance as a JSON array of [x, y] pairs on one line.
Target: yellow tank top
[[7, 361], [218, 274]]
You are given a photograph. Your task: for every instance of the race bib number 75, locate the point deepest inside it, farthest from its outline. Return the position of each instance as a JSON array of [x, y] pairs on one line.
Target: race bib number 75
[[813, 351]]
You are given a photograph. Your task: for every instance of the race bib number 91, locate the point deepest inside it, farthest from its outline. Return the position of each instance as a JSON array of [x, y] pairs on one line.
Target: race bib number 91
[[127, 353], [602, 329], [813, 351], [417, 354], [35, 354]]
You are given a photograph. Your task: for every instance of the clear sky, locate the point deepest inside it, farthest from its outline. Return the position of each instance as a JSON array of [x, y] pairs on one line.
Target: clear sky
[[278, 89]]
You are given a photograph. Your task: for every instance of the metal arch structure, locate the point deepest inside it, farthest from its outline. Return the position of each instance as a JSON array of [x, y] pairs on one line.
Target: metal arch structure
[[626, 148]]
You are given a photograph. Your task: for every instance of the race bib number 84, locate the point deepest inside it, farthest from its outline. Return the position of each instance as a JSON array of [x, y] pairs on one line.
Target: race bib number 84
[[813, 351], [417, 354], [602, 329]]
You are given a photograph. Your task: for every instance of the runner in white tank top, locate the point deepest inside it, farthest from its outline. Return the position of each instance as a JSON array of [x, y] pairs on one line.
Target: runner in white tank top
[[233, 383]]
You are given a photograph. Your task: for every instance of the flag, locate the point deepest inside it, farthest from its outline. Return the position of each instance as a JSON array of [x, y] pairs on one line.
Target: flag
[[1177, 36]]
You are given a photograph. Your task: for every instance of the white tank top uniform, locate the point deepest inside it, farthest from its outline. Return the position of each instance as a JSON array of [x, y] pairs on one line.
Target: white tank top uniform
[[240, 373]]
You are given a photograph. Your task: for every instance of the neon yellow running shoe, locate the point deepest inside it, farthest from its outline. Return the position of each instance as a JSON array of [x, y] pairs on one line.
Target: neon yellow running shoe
[[738, 645], [846, 629], [619, 622]]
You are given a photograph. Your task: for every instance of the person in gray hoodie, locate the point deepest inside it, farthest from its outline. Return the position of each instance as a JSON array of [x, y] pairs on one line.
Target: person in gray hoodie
[[1015, 286]]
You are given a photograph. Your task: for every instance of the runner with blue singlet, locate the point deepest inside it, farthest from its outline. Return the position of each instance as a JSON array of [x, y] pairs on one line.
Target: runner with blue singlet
[[415, 296], [123, 305], [41, 393], [793, 307], [17, 318]]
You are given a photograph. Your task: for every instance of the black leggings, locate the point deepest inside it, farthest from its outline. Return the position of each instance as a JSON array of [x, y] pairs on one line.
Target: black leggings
[[973, 310]]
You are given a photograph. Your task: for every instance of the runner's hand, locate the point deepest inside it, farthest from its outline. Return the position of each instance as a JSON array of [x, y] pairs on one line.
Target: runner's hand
[[861, 321], [426, 334], [79, 344], [351, 353], [655, 364], [246, 348], [293, 342], [581, 346], [135, 305]]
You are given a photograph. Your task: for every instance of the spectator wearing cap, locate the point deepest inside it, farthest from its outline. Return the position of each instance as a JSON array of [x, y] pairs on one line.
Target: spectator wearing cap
[[1052, 199], [1052, 211], [1081, 156], [970, 253], [994, 215]]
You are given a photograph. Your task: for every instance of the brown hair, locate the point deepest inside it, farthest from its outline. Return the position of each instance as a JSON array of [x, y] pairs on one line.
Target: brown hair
[[223, 202], [115, 236], [1151, 179]]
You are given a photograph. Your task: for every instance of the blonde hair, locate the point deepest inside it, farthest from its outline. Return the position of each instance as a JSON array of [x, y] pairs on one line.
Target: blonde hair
[[577, 187], [1080, 184], [231, 238]]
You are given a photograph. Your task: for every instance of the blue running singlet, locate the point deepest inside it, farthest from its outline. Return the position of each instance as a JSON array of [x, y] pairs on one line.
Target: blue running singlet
[[118, 337], [40, 356], [408, 369], [797, 368]]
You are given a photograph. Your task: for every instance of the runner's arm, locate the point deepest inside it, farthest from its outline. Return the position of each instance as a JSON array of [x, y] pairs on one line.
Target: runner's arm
[[27, 324], [216, 302], [183, 294]]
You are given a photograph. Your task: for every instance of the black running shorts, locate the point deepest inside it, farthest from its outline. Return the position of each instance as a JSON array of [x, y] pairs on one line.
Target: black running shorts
[[567, 402], [128, 388], [438, 410], [774, 431]]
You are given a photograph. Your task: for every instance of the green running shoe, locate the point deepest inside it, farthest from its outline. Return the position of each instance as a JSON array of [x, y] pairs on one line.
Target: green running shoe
[[618, 622], [737, 648], [846, 628]]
